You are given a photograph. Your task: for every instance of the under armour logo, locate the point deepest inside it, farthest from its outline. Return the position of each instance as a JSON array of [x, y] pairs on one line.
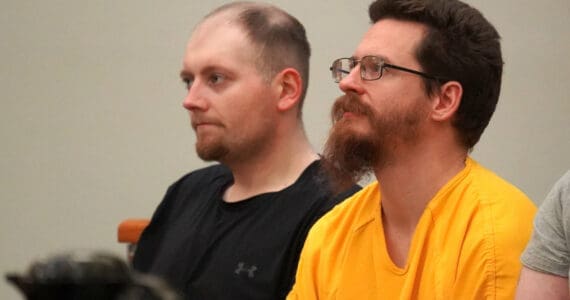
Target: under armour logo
[[242, 267]]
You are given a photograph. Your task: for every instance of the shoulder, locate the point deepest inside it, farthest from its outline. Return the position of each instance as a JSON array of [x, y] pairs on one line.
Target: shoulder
[[564, 181], [504, 217], [506, 210], [314, 187], [488, 182], [556, 205], [206, 174], [560, 192], [200, 179], [356, 211], [329, 240], [548, 249], [492, 223], [502, 196], [199, 184]]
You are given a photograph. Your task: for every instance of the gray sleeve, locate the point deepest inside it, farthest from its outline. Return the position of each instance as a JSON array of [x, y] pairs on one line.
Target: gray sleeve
[[548, 250]]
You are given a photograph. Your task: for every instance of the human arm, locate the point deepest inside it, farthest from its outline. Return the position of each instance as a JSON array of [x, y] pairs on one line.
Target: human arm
[[547, 257], [538, 285]]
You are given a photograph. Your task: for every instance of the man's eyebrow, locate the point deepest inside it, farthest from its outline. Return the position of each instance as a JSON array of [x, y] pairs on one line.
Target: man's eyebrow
[[185, 74], [208, 69], [380, 56]]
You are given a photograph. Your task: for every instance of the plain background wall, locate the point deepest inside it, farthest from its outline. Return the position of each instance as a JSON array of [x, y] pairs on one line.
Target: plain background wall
[[92, 129]]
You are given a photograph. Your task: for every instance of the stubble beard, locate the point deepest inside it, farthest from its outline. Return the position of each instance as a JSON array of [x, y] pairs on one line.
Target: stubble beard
[[235, 149], [211, 150]]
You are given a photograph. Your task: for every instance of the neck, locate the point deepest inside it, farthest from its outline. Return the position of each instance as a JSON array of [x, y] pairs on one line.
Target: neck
[[407, 184], [410, 181], [273, 168]]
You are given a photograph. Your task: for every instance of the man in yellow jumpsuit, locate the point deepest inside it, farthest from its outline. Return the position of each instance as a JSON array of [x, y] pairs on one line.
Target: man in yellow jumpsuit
[[419, 90]]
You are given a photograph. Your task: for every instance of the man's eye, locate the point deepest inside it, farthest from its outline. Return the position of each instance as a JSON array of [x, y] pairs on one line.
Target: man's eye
[[374, 67], [352, 64], [188, 82], [216, 78]]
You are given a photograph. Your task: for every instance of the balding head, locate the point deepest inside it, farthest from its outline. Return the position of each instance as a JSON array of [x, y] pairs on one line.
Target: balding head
[[279, 38]]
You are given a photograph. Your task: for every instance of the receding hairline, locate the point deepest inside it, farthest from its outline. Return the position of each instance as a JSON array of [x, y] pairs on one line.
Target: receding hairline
[[236, 14], [233, 10], [278, 38]]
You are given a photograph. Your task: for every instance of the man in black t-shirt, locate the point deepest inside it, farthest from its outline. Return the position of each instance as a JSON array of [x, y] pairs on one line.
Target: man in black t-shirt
[[235, 230]]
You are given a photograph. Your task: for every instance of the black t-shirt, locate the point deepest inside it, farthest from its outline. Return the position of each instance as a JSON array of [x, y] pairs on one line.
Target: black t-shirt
[[210, 249]]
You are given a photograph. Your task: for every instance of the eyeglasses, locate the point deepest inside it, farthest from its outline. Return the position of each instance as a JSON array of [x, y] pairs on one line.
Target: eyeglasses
[[371, 68]]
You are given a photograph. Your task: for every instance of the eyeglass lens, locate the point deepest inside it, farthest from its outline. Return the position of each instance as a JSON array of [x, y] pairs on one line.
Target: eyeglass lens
[[340, 68], [370, 68]]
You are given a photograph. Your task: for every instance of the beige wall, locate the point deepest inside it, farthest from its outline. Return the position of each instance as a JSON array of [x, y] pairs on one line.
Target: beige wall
[[92, 129]]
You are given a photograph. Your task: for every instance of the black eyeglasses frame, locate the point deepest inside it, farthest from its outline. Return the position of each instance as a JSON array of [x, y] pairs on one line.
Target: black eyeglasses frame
[[382, 65]]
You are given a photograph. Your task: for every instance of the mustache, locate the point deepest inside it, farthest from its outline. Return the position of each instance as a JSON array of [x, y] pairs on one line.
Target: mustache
[[349, 102], [197, 120]]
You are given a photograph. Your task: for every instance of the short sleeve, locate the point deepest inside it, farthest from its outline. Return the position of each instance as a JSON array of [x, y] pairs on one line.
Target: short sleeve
[[548, 249]]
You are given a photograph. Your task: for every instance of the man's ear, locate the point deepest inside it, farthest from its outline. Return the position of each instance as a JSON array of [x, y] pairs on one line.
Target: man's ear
[[446, 103], [290, 87]]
